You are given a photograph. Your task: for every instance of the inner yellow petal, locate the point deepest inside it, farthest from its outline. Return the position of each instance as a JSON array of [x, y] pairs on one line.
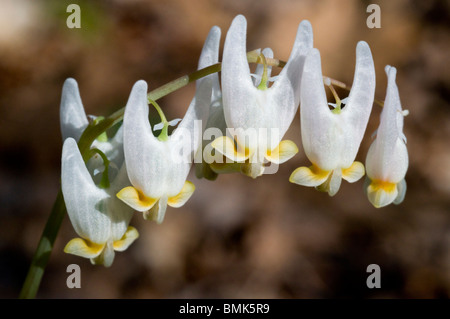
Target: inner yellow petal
[[312, 176], [381, 193], [136, 199], [127, 239], [354, 172], [84, 248], [225, 145], [283, 152], [388, 187], [182, 197]]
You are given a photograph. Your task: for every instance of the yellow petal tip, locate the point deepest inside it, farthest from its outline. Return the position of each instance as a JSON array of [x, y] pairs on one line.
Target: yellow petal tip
[[135, 199], [83, 248]]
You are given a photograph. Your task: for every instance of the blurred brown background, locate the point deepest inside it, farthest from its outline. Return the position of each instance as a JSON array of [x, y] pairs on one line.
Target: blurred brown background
[[236, 237]]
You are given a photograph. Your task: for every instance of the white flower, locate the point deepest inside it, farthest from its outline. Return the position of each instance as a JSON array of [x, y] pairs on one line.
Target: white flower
[[331, 138], [98, 217], [259, 115], [387, 158], [158, 166]]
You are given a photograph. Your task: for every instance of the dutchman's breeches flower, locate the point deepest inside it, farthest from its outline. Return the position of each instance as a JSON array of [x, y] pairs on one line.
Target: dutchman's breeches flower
[[331, 138], [258, 116], [98, 217], [158, 166], [387, 158]]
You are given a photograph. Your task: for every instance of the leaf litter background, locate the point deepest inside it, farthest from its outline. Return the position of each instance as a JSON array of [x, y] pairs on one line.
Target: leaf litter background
[[236, 237]]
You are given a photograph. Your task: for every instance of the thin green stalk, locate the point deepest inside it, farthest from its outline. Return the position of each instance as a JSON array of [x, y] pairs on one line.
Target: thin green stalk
[[44, 249]]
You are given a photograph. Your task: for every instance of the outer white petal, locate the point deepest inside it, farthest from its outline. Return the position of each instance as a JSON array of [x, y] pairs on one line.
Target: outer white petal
[[113, 149], [242, 101], [357, 110], [286, 89], [86, 204], [401, 192], [321, 129], [145, 156], [73, 119], [115, 153], [190, 131], [119, 213], [387, 159], [210, 50]]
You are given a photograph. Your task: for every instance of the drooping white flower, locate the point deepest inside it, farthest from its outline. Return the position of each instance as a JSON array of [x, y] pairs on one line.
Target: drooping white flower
[[259, 115], [331, 138], [158, 167], [98, 217], [387, 158]]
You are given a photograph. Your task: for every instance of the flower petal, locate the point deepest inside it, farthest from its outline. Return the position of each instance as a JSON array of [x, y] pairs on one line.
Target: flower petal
[[83, 248], [283, 152], [86, 204], [158, 211], [73, 119], [210, 50], [321, 130], [387, 158], [199, 108], [136, 199], [128, 238], [332, 184], [311, 176], [225, 146], [401, 187], [106, 258], [186, 192], [360, 100], [240, 96], [252, 169], [286, 89], [354, 172], [381, 193]]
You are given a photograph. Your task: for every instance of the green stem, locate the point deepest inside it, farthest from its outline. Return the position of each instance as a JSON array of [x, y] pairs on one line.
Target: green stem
[[48, 237], [44, 249], [264, 78], [344, 86], [104, 183], [164, 135]]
